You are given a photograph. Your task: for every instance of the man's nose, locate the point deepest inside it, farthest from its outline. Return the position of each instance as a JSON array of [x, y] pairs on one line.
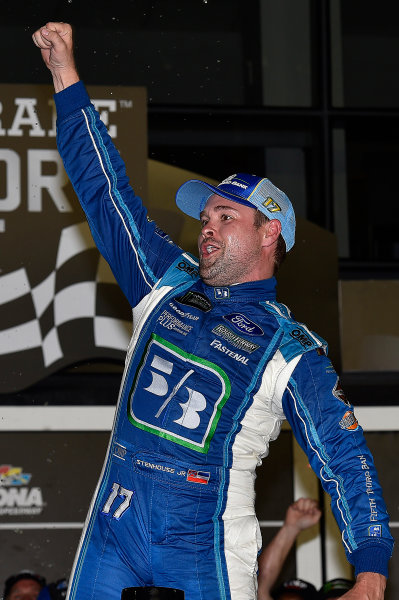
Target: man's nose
[[209, 229]]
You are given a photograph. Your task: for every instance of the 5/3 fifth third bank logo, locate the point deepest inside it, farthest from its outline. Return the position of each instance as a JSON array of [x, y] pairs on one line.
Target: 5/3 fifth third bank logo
[[165, 398]]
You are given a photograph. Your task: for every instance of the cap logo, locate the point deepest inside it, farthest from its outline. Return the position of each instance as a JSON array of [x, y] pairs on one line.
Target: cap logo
[[238, 184], [231, 181], [271, 205], [228, 179]]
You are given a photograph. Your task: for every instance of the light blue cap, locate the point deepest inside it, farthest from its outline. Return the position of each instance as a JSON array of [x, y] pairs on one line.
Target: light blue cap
[[250, 190]]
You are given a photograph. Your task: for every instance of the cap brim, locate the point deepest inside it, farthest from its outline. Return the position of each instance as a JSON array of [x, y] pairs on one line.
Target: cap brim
[[192, 196]]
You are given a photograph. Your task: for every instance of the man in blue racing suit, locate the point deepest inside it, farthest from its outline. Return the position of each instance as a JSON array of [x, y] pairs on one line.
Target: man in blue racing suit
[[214, 366]]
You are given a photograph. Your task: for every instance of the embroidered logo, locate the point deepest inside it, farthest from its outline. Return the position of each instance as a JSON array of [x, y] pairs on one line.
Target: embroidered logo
[[271, 205], [349, 421], [243, 324]]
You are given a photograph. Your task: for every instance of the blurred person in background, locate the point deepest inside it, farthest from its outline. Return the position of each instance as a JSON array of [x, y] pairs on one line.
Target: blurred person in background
[[54, 591], [295, 589], [24, 585], [335, 588], [300, 515]]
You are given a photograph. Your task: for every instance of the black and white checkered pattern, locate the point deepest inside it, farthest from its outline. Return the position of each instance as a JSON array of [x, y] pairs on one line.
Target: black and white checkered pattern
[[76, 313]]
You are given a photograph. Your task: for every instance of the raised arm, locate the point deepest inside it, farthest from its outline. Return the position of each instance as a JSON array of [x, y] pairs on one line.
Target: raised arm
[[325, 426], [300, 515], [137, 251]]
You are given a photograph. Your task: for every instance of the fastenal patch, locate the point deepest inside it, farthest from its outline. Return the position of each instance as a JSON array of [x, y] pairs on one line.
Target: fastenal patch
[[243, 324], [234, 339], [196, 300], [238, 357], [349, 421]]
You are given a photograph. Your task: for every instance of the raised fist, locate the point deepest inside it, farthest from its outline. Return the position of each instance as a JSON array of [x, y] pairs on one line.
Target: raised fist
[[56, 45]]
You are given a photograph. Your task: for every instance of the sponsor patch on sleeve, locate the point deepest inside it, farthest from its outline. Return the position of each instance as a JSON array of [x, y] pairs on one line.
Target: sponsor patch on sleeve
[[186, 267], [302, 338], [375, 531], [349, 421], [159, 232], [339, 393]]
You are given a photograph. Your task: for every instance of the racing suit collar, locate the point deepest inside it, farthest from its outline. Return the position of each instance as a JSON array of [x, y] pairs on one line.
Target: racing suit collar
[[262, 289]]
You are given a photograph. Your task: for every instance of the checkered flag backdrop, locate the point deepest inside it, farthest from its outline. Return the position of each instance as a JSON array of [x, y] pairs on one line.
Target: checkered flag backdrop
[[76, 313]]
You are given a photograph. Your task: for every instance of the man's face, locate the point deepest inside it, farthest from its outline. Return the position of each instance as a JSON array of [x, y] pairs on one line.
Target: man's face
[[230, 246], [24, 589]]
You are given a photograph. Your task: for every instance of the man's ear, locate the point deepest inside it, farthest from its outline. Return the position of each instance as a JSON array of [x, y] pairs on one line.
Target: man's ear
[[271, 232]]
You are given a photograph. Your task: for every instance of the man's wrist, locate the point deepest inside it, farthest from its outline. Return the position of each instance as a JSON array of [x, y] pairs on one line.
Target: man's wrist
[[71, 99], [371, 584], [63, 78], [291, 529]]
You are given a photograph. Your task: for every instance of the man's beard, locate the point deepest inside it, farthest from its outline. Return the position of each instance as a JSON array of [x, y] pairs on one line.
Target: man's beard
[[226, 269], [214, 274]]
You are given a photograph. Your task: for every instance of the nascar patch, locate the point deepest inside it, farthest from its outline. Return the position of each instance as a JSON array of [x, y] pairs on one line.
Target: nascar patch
[[196, 300]]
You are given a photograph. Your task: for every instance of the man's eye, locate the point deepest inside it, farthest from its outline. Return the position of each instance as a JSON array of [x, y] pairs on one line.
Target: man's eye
[[225, 217]]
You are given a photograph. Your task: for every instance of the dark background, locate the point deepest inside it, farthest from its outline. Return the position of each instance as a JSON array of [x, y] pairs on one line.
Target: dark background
[[219, 102], [219, 97]]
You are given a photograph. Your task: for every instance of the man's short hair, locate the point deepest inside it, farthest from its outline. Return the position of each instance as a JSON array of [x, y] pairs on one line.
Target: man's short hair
[[335, 588], [13, 579], [301, 588]]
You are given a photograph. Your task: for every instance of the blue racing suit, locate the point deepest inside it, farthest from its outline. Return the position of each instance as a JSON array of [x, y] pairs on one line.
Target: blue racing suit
[[210, 374]]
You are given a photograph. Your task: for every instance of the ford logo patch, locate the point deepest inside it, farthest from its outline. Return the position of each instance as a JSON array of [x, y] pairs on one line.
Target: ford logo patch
[[243, 324]]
